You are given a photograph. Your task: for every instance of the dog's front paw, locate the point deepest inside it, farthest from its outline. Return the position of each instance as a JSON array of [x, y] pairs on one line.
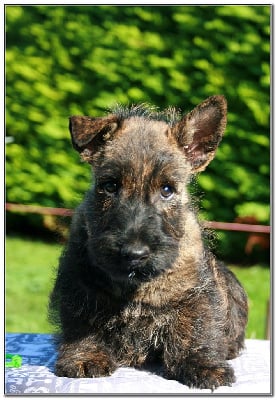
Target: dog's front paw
[[208, 377], [202, 376], [85, 365]]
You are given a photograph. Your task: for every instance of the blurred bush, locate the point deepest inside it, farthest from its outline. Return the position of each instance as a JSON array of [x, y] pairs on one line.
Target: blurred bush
[[64, 60]]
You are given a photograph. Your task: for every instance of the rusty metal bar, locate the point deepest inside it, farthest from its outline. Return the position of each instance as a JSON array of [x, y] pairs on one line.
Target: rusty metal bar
[[65, 212], [234, 226], [23, 208]]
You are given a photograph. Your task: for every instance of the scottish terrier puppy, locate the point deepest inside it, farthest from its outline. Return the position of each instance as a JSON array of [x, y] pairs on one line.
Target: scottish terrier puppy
[[135, 282]]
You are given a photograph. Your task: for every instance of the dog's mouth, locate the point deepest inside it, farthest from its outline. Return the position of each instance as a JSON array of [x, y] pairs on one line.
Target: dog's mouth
[[132, 263], [130, 272], [143, 270], [141, 274]]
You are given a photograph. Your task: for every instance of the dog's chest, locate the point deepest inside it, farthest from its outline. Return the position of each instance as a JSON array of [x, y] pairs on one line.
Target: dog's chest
[[138, 322]]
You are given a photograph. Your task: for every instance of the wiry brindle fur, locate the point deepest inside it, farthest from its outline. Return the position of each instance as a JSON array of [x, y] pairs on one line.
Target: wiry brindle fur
[[135, 282]]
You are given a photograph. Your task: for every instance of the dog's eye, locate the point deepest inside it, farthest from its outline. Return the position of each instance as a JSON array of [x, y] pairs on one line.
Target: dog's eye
[[167, 192], [110, 187]]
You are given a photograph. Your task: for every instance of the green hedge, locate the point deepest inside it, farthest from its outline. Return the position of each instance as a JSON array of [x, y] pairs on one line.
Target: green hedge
[[64, 60]]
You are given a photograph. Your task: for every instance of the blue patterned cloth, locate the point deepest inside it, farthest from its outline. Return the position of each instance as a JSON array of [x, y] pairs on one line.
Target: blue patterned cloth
[[36, 375]]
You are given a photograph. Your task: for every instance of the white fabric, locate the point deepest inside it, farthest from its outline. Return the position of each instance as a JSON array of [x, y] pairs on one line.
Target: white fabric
[[252, 370]]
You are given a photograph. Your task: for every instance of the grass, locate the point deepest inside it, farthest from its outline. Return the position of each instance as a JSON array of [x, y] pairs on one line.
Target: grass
[[30, 271], [29, 278], [256, 281]]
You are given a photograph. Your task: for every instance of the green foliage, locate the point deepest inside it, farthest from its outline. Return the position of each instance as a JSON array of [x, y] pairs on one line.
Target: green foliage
[[30, 274], [64, 60]]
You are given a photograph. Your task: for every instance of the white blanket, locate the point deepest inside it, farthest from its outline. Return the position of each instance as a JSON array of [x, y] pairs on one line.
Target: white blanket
[[252, 370]]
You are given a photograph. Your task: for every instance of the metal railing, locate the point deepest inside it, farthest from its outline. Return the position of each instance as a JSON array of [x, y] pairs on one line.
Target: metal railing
[[66, 212]]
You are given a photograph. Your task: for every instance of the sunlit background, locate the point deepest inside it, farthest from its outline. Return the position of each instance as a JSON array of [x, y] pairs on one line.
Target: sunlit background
[[66, 60]]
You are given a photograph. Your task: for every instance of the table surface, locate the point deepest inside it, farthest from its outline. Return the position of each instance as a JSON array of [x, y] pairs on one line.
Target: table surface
[[36, 375]]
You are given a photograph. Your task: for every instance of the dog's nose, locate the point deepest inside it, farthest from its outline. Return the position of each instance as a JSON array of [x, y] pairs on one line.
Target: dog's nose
[[135, 253]]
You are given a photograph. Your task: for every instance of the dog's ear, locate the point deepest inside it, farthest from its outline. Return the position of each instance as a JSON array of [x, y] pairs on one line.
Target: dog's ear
[[199, 132], [88, 133]]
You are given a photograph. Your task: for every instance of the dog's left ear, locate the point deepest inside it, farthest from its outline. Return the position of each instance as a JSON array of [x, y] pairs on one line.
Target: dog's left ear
[[200, 131], [88, 134]]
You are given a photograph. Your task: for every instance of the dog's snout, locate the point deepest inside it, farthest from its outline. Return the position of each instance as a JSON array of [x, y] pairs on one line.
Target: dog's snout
[[135, 253]]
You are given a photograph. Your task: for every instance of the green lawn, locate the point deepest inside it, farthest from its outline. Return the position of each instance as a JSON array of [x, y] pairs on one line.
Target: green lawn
[[30, 270], [256, 281], [30, 267]]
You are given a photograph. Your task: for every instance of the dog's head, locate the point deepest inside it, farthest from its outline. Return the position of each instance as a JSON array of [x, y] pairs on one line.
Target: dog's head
[[142, 161]]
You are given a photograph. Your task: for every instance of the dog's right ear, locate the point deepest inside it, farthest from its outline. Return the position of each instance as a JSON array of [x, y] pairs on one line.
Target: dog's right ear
[[88, 134]]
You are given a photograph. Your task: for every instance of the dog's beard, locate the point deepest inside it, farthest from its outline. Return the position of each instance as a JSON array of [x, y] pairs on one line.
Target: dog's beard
[[106, 257]]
